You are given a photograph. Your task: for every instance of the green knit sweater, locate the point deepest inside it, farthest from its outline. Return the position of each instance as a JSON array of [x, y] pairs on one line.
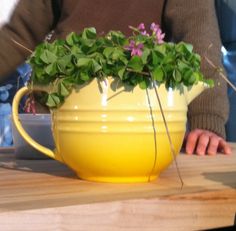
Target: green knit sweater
[[192, 21]]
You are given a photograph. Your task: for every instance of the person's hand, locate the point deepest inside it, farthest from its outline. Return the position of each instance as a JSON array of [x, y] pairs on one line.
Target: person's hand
[[204, 142]]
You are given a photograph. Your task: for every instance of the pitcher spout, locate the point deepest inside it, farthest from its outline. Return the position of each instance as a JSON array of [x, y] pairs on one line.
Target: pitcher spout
[[194, 91]]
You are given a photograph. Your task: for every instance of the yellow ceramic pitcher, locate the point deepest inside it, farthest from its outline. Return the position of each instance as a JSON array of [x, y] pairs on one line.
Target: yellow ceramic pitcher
[[115, 136]]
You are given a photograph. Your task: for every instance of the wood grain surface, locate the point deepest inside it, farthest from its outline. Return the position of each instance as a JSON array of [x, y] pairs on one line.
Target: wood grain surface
[[46, 195]]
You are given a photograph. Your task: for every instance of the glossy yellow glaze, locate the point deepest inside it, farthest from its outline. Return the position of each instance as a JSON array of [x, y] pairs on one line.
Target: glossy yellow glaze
[[116, 136]]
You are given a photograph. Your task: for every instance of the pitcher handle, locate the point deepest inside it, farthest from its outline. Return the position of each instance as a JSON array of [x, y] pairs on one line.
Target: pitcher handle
[[15, 115]]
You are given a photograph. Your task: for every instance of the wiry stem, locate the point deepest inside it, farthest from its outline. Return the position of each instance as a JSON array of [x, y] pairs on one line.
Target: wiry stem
[[22, 46], [119, 92], [154, 131], [168, 135], [139, 72], [220, 73]]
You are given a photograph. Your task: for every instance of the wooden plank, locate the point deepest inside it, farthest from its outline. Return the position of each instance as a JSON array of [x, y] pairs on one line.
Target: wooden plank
[[142, 214], [46, 192]]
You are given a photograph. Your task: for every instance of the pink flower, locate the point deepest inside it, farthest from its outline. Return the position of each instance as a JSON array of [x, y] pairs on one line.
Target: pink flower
[[144, 33], [160, 36], [135, 48], [141, 26], [154, 27], [156, 31]]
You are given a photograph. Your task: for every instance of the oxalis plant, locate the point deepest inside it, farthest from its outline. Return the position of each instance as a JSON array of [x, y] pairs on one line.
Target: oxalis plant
[[140, 59]]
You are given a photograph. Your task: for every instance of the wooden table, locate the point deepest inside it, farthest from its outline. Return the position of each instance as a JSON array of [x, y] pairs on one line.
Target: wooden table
[[46, 195]]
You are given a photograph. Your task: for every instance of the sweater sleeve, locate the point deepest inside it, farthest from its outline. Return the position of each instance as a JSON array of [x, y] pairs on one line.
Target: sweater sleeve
[[195, 22], [29, 24]]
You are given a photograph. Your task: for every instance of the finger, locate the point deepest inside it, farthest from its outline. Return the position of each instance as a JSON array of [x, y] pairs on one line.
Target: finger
[[213, 145], [191, 141], [225, 147], [202, 144]]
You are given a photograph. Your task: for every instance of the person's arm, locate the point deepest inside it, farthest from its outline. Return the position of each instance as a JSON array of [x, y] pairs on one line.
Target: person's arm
[[195, 21], [29, 23]]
